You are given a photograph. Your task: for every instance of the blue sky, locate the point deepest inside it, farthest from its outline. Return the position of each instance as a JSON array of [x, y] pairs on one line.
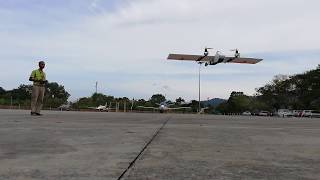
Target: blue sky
[[124, 44]]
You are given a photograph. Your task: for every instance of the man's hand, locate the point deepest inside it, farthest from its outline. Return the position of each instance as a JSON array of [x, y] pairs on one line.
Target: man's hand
[[43, 82], [39, 81]]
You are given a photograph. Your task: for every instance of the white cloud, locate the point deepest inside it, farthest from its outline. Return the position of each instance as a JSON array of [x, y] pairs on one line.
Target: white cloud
[[136, 37]]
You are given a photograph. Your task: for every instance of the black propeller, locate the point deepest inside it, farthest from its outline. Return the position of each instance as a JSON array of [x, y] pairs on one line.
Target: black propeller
[[206, 52], [236, 54]]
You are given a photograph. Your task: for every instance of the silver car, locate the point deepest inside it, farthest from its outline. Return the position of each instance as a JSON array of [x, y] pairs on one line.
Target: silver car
[[284, 113], [311, 113], [264, 113], [246, 113]]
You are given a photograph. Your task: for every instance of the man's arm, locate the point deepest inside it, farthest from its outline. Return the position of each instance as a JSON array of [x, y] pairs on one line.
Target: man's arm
[[31, 78], [40, 81]]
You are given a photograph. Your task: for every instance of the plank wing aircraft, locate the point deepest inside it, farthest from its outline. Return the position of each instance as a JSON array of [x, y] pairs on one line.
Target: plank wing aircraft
[[164, 106], [216, 59], [101, 107]]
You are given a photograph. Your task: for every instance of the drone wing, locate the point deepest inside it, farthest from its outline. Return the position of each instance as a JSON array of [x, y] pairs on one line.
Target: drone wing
[[187, 57], [243, 60]]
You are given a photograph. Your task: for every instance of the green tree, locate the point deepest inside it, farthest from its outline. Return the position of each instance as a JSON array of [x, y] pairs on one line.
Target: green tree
[[100, 99], [55, 90], [156, 99], [2, 91], [19, 96], [299, 91], [83, 103], [195, 105], [23, 92], [179, 101], [95, 100], [223, 108], [238, 104], [140, 102], [55, 95]]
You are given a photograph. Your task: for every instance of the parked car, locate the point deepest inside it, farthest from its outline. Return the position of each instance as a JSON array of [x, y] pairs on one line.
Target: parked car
[[264, 113], [284, 113], [64, 107], [246, 113], [297, 113], [310, 113], [306, 113]]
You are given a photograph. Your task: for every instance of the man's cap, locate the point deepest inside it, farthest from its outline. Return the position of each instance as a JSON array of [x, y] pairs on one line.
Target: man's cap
[[42, 62]]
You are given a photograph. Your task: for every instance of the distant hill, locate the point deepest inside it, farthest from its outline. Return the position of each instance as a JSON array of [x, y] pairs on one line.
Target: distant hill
[[213, 102]]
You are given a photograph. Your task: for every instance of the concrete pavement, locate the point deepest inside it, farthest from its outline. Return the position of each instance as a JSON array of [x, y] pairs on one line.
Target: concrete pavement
[[89, 145]]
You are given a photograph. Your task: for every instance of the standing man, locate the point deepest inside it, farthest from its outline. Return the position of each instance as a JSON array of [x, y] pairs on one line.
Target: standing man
[[39, 80]]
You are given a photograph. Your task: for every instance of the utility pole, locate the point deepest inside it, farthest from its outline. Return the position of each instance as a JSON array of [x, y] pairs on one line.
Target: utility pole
[[53, 102], [11, 103], [199, 109], [205, 54], [132, 104], [117, 106], [96, 87]]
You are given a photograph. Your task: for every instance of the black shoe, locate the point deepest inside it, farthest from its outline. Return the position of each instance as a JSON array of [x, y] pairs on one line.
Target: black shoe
[[33, 114], [38, 114]]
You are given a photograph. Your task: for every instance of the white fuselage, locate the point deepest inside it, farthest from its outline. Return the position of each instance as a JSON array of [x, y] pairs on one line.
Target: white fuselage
[[102, 108], [218, 58], [162, 107]]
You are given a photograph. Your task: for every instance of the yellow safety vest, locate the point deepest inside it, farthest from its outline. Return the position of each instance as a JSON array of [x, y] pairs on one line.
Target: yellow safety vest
[[38, 75]]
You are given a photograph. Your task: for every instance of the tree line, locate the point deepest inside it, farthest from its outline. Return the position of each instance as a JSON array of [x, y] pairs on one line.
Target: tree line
[[55, 95], [300, 91], [124, 103]]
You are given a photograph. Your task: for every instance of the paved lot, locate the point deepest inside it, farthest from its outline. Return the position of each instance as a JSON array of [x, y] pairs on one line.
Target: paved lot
[[74, 145]]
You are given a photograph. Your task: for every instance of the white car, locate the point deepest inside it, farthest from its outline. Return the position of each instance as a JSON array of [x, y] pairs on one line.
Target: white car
[[306, 113], [264, 113], [64, 107], [246, 113], [284, 113], [310, 113]]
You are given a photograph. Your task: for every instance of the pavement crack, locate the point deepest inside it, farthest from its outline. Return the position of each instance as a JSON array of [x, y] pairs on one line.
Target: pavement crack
[[143, 149]]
